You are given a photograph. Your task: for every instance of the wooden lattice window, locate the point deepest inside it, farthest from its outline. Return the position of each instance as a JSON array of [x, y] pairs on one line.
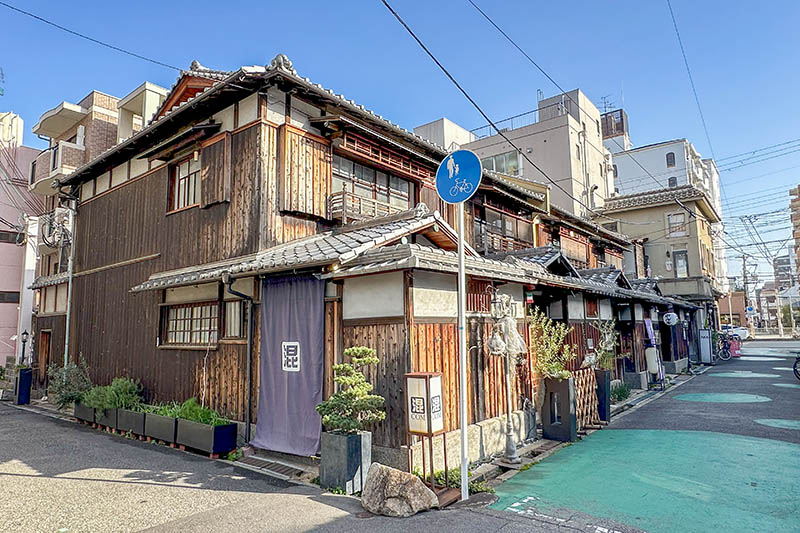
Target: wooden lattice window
[[192, 324], [184, 184]]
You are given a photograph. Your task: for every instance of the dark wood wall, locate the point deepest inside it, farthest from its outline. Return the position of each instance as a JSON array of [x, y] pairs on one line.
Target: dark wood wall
[[115, 330]]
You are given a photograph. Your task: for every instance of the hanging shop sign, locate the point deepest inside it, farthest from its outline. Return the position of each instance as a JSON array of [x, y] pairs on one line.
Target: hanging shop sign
[[670, 319], [424, 407]]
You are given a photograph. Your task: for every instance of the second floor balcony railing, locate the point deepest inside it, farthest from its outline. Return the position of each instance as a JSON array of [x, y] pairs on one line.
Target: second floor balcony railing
[[489, 239], [349, 207]]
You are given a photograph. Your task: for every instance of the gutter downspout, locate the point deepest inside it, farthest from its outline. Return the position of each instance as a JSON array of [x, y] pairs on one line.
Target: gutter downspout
[[70, 269], [227, 280]]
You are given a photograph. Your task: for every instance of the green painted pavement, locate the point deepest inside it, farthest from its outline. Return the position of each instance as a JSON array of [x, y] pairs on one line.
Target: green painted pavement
[[722, 397], [779, 423], [668, 481], [787, 385], [742, 374]]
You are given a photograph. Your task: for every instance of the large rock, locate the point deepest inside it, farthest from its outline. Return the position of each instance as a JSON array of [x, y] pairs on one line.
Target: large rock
[[392, 492]]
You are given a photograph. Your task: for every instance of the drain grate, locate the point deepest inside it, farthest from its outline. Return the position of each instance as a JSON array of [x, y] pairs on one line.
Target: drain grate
[[271, 466]]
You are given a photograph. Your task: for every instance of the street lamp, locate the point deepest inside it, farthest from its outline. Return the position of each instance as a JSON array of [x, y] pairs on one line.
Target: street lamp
[[506, 341], [24, 338]]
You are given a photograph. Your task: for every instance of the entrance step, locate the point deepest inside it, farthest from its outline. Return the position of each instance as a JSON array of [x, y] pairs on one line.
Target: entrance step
[[279, 470]]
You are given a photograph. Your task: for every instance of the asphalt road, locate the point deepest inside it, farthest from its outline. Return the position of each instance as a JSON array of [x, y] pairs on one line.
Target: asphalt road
[[60, 476], [715, 454]]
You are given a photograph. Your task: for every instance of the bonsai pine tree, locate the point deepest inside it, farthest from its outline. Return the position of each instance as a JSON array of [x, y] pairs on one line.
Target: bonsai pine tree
[[352, 408]]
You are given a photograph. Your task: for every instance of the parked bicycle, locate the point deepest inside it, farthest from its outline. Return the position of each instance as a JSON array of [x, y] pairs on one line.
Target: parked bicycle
[[724, 348], [797, 366]]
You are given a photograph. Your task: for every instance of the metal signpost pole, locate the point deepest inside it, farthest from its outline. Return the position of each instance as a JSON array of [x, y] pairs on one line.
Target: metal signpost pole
[[462, 354], [457, 179]]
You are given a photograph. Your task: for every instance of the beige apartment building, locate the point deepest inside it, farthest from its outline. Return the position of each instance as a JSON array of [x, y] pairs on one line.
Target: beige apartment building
[[678, 244]]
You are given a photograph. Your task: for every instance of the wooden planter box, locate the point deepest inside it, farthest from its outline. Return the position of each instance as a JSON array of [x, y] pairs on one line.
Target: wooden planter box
[[345, 460], [106, 417], [84, 413], [210, 439], [132, 421], [160, 427]]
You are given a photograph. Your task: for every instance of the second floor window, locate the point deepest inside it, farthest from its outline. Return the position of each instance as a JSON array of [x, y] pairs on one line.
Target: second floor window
[[681, 264], [670, 159], [677, 225], [184, 184], [673, 182], [367, 182], [507, 163]]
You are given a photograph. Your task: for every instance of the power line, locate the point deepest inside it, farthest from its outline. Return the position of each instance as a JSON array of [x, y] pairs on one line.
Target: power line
[[92, 39], [479, 109], [691, 80], [757, 150]]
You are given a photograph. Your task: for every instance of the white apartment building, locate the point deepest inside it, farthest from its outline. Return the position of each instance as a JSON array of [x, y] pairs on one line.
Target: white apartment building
[[664, 165], [563, 137]]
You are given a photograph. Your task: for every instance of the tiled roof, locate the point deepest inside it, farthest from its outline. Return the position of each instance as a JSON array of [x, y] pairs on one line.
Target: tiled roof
[[198, 70], [605, 275], [545, 256], [336, 246], [47, 281], [500, 178], [402, 256], [655, 197], [645, 285]]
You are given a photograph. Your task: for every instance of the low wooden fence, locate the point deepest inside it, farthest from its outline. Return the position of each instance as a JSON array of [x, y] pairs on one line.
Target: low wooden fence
[[586, 402]]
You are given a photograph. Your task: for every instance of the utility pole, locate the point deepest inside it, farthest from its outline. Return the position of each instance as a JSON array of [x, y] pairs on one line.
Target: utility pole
[[750, 325]]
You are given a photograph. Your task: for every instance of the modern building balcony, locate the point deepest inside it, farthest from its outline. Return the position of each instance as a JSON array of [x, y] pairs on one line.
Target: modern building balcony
[[57, 162], [348, 207], [54, 227]]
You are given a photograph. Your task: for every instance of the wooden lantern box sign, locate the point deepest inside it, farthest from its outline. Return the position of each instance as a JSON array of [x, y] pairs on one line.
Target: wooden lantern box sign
[[425, 419]]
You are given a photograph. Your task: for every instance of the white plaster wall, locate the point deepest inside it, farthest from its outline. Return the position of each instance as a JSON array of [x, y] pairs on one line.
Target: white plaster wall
[[87, 190], [138, 167], [301, 113], [625, 313], [248, 109], [276, 106], [193, 293], [379, 295], [102, 183], [435, 295], [638, 312], [575, 309], [516, 291], [225, 117], [243, 285], [606, 311], [556, 310], [119, 174]]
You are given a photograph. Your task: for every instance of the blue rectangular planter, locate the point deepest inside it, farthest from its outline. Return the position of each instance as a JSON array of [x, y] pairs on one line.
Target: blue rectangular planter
[[22, 386], [160, 427], [203, 437], [603, 394]]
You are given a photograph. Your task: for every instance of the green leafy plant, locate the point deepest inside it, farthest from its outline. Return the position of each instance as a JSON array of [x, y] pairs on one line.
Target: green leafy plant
[[453, 479], [68, 384], [548, 347], [352, 408], [234, 455], [97, 397], [123, 393], [2, 373], [336, 490], [604, 356], [192, 410], [620, 392]]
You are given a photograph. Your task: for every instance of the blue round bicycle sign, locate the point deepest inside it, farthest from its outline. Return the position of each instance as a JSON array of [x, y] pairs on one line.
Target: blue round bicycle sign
[[458, 176]]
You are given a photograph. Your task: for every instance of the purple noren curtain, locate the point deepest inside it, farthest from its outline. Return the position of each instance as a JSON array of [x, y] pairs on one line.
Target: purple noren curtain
[[292, 359]]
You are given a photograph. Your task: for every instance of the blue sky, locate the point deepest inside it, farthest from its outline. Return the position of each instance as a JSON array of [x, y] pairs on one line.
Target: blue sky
[[744, 59]]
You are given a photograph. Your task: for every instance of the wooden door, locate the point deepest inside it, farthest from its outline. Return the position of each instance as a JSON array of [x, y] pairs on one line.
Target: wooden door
[[43, 358]]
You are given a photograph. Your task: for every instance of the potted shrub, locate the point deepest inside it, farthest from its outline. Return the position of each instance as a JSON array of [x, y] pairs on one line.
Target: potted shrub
[[123, 395], [555, 389], [160, 422], [204, 429], [346, 446], [67, 385], [98, 398], [603, 362]]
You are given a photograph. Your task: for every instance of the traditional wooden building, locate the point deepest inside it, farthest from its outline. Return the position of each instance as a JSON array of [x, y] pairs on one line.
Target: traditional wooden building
[[258, 224]]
